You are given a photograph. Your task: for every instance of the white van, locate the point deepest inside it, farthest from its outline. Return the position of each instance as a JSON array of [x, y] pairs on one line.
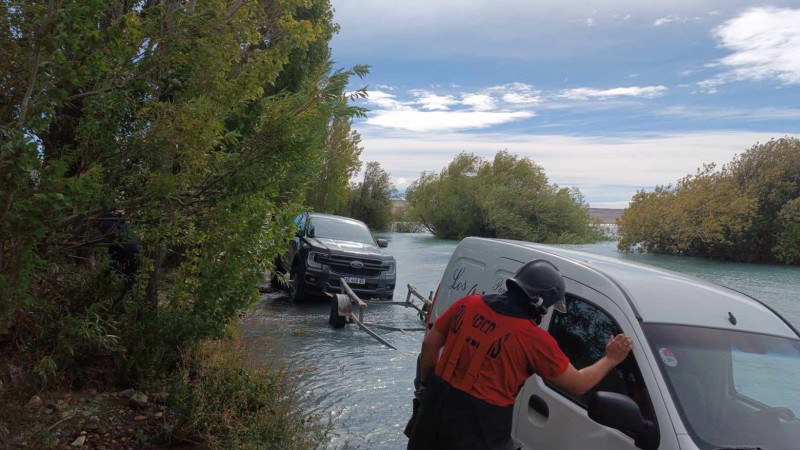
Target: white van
[[712, 368]]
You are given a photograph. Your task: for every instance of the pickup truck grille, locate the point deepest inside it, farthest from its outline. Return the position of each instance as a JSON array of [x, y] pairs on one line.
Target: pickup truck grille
[[341, 265]]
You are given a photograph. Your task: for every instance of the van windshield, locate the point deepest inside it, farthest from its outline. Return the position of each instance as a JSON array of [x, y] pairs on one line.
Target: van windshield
[[342, 230], [732, 389]]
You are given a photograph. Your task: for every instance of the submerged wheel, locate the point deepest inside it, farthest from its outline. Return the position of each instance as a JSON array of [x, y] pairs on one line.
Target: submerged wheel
[[334, 319], [296, 291]]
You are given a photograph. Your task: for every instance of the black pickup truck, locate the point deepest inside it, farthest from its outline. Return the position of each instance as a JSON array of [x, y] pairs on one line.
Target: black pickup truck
[[327, 249]]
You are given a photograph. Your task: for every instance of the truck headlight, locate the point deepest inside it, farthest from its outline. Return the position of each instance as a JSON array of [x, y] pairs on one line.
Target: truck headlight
[[311, 261], [391, 268]]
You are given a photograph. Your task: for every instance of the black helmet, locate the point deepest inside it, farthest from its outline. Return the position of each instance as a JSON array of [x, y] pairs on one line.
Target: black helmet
[[542, 283]]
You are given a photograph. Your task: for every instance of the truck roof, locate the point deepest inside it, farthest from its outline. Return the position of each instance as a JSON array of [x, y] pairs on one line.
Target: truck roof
[[661, 296]]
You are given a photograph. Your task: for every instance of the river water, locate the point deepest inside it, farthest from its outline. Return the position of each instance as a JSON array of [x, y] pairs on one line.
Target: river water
[[365, 389]]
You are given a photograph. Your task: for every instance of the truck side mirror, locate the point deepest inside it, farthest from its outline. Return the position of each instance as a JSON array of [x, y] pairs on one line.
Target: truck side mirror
[[622, 413], [382, 243]]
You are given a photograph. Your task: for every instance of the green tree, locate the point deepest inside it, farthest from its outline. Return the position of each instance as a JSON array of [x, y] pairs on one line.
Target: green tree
[[745, 211], [204, 121], [370, 200], [508, 197], [329, 190]]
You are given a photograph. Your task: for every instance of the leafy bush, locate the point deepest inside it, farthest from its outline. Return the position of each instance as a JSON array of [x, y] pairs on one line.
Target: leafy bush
[[508, 197], [217, 400], [748, 210]]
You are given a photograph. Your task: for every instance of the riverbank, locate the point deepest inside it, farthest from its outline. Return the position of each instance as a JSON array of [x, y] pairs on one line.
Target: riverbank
[[217, 398], [68, 419]]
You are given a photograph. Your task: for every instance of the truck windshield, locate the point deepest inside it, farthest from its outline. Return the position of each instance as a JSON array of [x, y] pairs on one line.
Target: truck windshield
[[343, 230], [732, 389]]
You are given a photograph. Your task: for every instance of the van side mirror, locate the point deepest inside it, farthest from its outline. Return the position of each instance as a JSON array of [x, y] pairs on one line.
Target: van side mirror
[[382, 243], [622, 413]]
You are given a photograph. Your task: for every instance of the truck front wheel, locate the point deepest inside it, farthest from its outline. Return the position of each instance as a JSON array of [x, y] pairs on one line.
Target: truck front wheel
[[296, 290]]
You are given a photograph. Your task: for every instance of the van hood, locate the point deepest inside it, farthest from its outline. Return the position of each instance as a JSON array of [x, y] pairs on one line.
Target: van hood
[[352, 249]]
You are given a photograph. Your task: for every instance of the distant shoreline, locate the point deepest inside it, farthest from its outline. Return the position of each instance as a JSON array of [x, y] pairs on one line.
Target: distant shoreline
[[606, 215]]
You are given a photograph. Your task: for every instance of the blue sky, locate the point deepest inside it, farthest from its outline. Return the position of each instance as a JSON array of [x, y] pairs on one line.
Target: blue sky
[[609, 96]]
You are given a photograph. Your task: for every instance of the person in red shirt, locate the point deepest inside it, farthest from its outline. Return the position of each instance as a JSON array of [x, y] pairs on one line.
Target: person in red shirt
[[481, 350]]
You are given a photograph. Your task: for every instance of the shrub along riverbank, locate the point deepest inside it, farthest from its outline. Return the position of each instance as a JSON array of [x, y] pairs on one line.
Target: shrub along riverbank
[[749, 210]]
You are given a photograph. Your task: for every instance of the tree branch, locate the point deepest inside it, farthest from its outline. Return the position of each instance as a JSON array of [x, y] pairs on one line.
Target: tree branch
[[35, 73]]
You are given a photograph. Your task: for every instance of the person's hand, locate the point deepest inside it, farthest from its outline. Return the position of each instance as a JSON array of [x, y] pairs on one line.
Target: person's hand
[[618, 348]]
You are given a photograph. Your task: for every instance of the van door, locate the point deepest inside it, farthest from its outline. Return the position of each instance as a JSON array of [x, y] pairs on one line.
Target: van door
[[546, 417]]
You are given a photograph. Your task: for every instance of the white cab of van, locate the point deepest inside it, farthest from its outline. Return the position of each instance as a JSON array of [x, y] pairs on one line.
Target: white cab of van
[[712, 368]]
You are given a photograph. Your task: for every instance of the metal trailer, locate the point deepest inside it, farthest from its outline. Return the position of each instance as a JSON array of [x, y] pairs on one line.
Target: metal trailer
[[342, 311]]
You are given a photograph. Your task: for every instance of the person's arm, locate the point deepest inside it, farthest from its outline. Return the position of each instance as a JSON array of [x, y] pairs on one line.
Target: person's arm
[[579, 381], [431, 345]]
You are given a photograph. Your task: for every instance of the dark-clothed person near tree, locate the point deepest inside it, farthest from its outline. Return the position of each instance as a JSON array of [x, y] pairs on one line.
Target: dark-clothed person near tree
[[481, 350]]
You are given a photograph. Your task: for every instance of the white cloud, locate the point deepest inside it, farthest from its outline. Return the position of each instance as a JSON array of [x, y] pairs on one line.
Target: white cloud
[[669, 19], [765, 44], [479, 102], [428, 111], [632, 91], [517, 93], [432, 102], [431, 121], [385, 100], [619, 19], [423, 110]]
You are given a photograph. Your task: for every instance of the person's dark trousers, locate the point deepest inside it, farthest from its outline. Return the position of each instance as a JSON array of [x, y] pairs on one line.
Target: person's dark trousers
[[450, 419]]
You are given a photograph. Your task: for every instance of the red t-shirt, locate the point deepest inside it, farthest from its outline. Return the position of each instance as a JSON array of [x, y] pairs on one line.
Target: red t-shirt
[[520, 350]]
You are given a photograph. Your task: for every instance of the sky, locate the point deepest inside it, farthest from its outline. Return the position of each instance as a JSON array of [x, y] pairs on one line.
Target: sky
[[608, 96]]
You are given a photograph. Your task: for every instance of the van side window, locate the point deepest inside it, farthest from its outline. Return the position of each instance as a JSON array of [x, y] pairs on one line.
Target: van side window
[[582, 334]]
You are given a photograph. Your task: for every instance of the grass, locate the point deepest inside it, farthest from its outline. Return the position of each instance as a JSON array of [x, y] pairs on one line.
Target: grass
[[218, 399]]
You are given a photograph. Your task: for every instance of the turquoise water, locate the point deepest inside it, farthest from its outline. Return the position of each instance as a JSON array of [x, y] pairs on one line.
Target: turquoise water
[[365, 389]]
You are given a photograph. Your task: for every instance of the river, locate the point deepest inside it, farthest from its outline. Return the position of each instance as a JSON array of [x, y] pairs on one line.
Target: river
[[365, 389]]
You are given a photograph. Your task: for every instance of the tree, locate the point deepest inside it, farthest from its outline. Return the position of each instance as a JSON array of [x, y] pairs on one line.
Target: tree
[[370, 200], [508, 197], [329, 191], [745, 211], [204, 121]]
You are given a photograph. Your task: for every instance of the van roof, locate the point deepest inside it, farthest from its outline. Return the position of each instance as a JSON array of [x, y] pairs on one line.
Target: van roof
[[661, 296]]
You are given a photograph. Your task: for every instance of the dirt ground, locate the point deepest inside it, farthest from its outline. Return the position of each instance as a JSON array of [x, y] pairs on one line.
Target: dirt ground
[[87, 419]]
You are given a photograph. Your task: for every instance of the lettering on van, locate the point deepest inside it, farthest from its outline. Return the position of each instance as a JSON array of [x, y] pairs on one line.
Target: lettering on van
[[461, 284], [499, 286]]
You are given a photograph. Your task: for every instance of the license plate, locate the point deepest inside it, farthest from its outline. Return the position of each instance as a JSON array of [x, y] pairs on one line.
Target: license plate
[[354, 280]]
